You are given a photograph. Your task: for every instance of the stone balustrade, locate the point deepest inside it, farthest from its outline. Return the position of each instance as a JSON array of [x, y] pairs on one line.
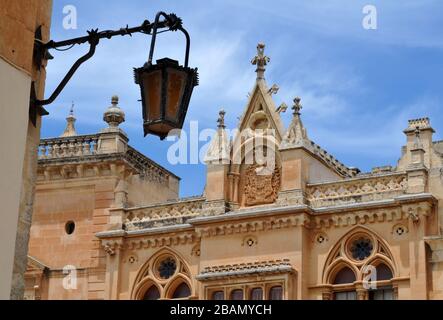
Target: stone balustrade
[[163, 215], [356, 190], [68, 147]]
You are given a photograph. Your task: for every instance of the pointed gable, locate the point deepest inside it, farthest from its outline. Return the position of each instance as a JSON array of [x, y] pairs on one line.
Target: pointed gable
[[260, 111]]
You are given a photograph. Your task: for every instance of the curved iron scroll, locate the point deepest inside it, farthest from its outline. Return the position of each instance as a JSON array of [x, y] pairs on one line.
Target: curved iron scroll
[[171, 21]]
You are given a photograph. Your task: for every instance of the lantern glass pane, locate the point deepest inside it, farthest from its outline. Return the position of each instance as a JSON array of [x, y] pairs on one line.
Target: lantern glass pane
[[176, 86], [152, 89]]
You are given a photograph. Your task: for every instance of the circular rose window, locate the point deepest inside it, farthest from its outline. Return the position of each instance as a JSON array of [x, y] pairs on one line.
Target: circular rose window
[[361, 248], [166, 268]]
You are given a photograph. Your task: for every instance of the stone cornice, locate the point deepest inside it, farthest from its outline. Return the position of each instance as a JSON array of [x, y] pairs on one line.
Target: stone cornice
[[262, 211], [113, 241], [246, 269], [86, 149], [414, 206]]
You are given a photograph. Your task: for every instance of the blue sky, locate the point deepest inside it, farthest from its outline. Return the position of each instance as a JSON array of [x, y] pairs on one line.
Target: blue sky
[[358, 87]]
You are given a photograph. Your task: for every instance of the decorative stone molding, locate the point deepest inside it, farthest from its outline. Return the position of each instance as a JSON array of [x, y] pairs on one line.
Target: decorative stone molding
[[290, 198], [254, 226], [356, 190], [163, 215], [196, 250], [111, 246], [214, 208], [66, 171], [360, 217], [246, 269], [159, 241], [249, 241]]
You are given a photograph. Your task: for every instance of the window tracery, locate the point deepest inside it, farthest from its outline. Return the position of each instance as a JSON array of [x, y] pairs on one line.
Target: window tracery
[[164, 276], [360, 266]]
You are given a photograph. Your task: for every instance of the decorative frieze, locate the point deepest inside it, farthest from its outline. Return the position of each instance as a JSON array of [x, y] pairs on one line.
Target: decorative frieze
[[161, 241], [246, 269], [163, 215], [356, 190], [254, 226]]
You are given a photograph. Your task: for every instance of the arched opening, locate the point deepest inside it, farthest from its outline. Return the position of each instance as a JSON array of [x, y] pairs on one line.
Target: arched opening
[[276, 293], [218, 295], [382, 292], [383, 272], [167, 270], [152, 293], [237, 294], [256, 294], [182, 291], [345, 275]]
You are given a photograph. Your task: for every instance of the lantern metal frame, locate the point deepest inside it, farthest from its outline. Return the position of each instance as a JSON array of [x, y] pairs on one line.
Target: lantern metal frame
[[164, 65], [41, 52]]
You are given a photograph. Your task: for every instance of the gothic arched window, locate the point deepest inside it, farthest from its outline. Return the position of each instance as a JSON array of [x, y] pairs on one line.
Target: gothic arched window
[[182, 291], [167, 268], [345, 275], [383, 272], [361, 248], [152, 293]]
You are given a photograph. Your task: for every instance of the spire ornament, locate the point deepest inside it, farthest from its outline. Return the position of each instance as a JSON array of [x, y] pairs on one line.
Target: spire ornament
[[296, 135], [297, 106], [219, 147], [221, 119], [70, 125], [114, 116], [260, 60]]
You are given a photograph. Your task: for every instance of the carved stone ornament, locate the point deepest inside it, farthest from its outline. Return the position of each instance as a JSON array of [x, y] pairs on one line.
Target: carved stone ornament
[[261, 187]]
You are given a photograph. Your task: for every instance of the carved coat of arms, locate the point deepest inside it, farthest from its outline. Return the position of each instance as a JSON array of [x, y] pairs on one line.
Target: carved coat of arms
[[261, 185]]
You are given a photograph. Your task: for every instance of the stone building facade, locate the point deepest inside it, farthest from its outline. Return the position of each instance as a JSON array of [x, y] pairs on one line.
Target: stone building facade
[[279, 219], [21, 21]]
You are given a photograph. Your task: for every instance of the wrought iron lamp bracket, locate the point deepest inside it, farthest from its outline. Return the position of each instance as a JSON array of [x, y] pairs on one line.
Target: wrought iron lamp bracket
[[41, 50]]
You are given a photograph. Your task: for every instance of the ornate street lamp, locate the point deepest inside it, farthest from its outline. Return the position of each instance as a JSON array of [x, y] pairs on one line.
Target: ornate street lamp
[[166, 87]]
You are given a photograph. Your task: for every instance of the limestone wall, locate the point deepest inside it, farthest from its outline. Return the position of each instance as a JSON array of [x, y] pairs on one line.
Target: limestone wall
[[18, 23]]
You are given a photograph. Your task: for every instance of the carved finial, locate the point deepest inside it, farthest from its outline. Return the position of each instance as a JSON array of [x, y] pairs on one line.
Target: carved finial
[[274, 89], [219, 148], [260, 60], [297, 106], [221, 119], [282, 108], [71, 111], [114, 100], [70, 127], [114, 115]]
